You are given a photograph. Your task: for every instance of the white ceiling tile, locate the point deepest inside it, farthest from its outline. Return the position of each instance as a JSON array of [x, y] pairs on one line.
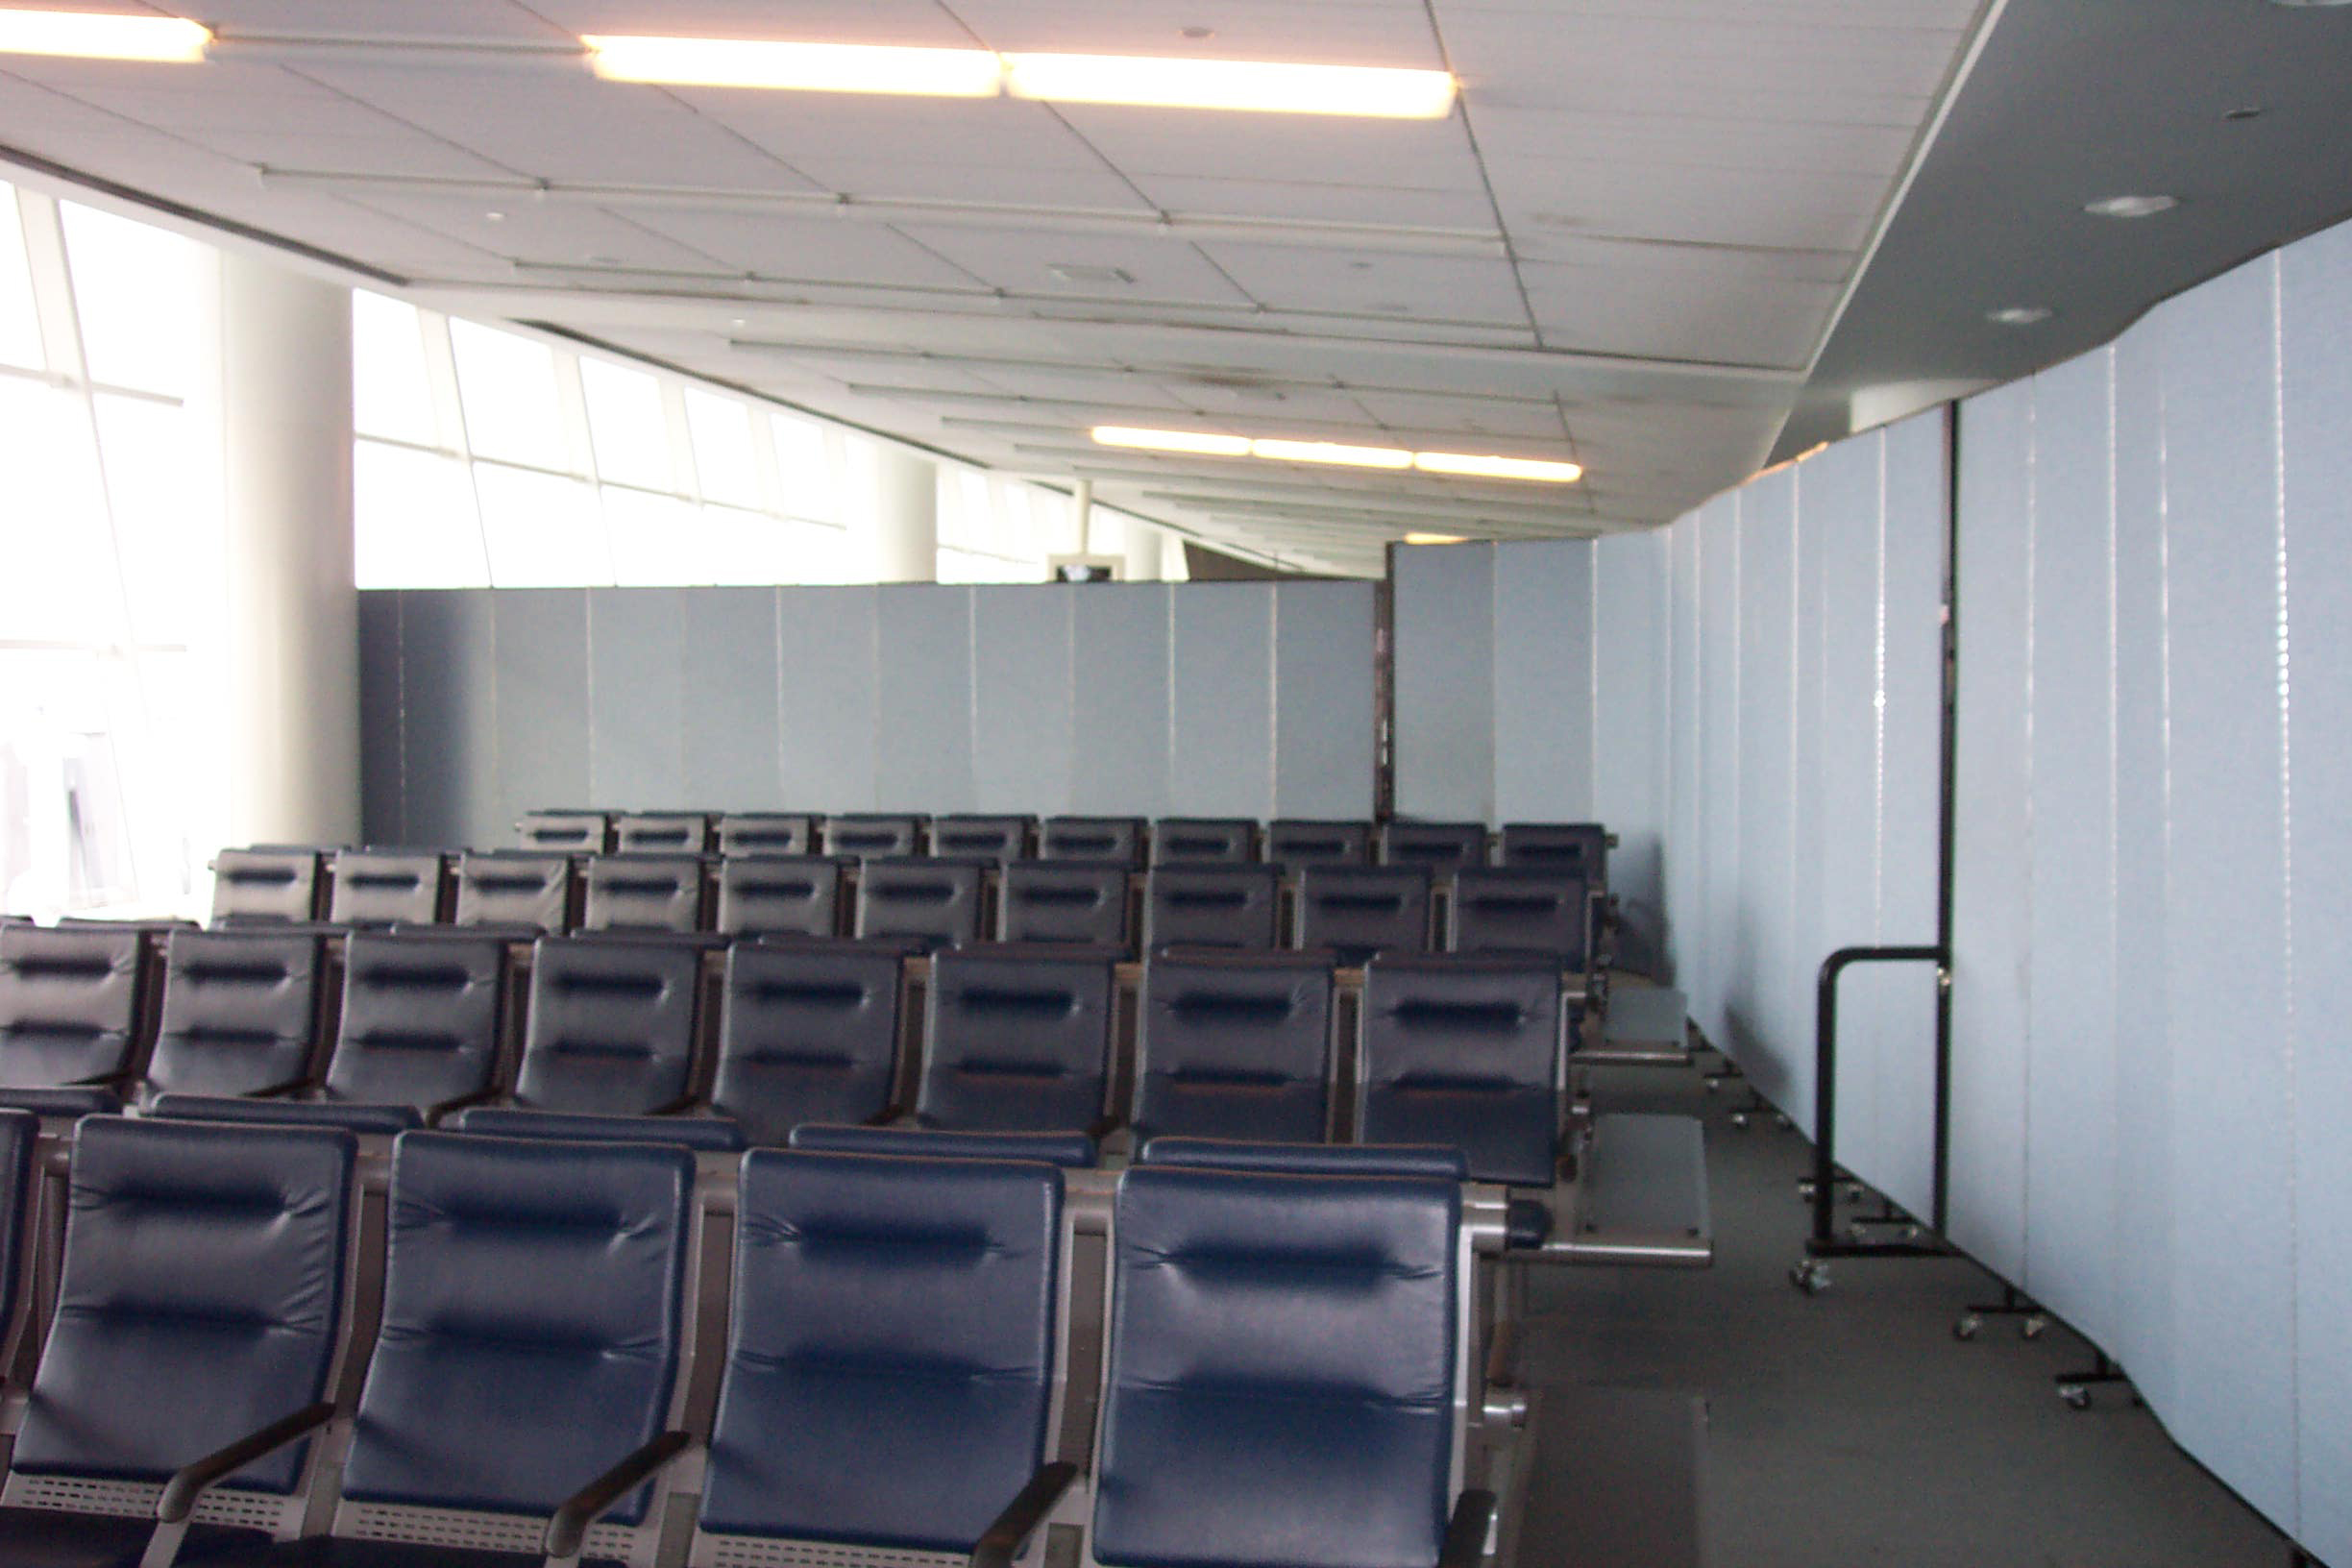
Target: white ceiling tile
[[1304, 278], [1024, 263], [1307, 149], [1006, 185], [549, 234], [1797, 147], [372, 18], [833, 127], [814, 249], [1393, 33], [1711, 207]]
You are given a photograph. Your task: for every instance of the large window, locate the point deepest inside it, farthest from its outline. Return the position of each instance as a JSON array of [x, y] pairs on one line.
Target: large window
[[108, 557]]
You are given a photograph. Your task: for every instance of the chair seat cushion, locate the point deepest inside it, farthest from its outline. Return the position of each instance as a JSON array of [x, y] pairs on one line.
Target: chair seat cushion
[[381, 1120]]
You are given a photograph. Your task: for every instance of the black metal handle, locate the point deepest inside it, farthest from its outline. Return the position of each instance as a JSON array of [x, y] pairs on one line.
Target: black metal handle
[[1824, 1072]]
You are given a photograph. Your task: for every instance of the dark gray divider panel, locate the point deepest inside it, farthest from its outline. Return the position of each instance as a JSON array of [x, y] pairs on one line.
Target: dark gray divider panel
[[542, 747], [1323, 700], [924, 699], [828, 641], [1543, 681], [1221, 699], [383, 810], [1023, 697], [1445, 664], [449, 732], [729, 701], [637, 698], [1119, 662]]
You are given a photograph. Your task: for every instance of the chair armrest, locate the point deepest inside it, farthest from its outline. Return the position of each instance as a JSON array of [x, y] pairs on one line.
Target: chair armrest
[[1465, 1537], [1104, 1125], [188, 1482], [480, 1096], [1002, 1540], [683, 1103], [292, 1086], [569, 1528]]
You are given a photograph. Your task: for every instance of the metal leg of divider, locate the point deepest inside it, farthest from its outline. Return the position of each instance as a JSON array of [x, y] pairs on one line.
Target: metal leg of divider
[[2032, 1321], [2074, 1387]]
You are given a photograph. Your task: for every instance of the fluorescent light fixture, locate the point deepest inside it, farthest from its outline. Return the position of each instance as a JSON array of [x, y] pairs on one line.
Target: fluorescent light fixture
[[1331, 452], [90, 34], [1375, 91], [1435, 539], [2019, 315], [804, 67], [1196, 441], [2131, 206], [1497, 467]]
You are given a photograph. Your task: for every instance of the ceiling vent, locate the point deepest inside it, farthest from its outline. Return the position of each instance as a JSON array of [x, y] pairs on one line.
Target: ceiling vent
[[1076, 272]]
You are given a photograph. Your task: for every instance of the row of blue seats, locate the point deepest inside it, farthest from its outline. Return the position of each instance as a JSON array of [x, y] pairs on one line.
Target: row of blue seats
[[1352, 910], [231, 1375], [1580, 847], [1466, 1052]]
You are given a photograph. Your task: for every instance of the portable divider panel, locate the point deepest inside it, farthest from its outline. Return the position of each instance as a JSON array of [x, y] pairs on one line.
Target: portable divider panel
[[1212, 906], [807, 1035], [1118, 838], [201, 1302], [507, 888], [779, 895], [1441, 846], [611, 1029], [1018, 1044], [1358, 911], [940, 902], [643, 892], [1504, 911], [386, 886], [267, 883], [661, 833], [1065, 901], [893, 1355], [766, 833], [568, 832], [1204, 841], [1466, 1052], [1294, 843], [70, 1006], [874, 835], [241, 1012], [997, 839], [1238, 1048]]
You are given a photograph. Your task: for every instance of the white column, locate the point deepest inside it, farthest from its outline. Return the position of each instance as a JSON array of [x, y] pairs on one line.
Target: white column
[[1143, 551], [289, 628], [906, 517]]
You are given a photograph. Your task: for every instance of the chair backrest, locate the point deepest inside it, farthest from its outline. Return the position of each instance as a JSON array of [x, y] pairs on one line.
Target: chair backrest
[[265, 884], [1466, 1052], [1017, 1044], [509, 889], [874, 834], [766, 833], [612, 1026], [778, 896], [1284, 1367], [938, 900], [1357, 910], [1504, 911], [378, 887], [19, 1132], [1236, 1049], [69, 1003], [661, 832], [1441, 846], [1070, 1151], [643, 892], [534, 1317], [807, 1034], [1117, 839], [1212, 906], [200, 1299], [1000, 839], [1297, 842], [240, 1012], [1570, 848], [1065, 901], [571, 832], [890, 1352], [1204, 841], [420, 1021]]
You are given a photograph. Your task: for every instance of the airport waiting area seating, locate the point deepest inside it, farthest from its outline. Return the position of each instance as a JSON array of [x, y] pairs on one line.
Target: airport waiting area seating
[[1204, 841], [389, 887], [1065, 900], [767, 895], [808, 1034], [72, 999], [766, 833], [1358, 911], [999, 839], [611, 1028], [939, 902], [1018, 1042], [1467, 1055], [1296, 842], [874, 835], [1118, 840], [1236, 1049], [1212, 905]]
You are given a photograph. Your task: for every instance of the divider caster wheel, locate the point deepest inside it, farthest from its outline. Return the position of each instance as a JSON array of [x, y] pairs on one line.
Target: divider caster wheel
[[2077, 1396], [1854, 1190], [1739, 1121], [1810, 1276], [1782, 1118], [1806, 1189], [2032, 1326], [1965, 1327], [1711, 1084]]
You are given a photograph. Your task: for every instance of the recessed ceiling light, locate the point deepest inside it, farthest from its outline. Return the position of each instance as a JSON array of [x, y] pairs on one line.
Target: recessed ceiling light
[[2248, 111], [1197, 33], [90, 35], [2019, 315], [494, 217], [1435, 539], [2131, 206], [803, 67], [1079, 272], [1270, 87]]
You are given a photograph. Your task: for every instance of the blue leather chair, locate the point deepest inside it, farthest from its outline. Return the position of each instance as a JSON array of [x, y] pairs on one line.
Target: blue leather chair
[[636, 891], [890, 1358], [1212, 906], [199, 1322], [807, 1034], [1118, 840], [507, 889], [612, 1028], [1295, 842], [1441, 846], [1204, 841], [1569, 849], [872, 834], [1018, 1044], [567, 832], [241, 1014], [999, 839], [1466, 1052], [1284, 1356], [70, 1004], [765, 894], [1064, 901], [661, 833], [1507, 911], [277, 882], [766, 833], [1235, 1048], [1358, 911], [1070, 1151], [419, 1038], [387, 886], [937, 900]]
